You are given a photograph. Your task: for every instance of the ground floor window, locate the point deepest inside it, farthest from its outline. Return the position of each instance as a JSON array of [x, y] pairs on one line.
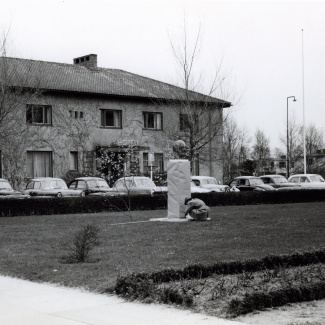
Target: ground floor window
[[39, 164], [73, 160], [157, 164]]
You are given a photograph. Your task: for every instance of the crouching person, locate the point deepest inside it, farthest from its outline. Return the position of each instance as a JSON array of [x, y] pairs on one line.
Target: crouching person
[[197, 210]]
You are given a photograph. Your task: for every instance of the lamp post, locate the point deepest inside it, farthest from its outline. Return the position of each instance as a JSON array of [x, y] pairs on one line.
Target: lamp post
[[288, 147]]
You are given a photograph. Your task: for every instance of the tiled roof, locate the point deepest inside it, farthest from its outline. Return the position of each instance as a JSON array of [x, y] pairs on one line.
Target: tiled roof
[[77, 78]]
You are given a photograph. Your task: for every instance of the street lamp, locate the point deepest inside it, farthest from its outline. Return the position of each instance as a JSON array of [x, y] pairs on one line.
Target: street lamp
[[288, 148]]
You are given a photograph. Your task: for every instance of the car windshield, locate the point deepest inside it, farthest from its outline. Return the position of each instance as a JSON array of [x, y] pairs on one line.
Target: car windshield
[[91, 183], [144, 182], [194, 185], [255, 181], [102, 183], [280, 180], [317, 178], [58, 183], [5, 185], [209, 181]]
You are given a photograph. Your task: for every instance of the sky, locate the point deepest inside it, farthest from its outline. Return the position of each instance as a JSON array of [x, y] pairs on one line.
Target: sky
[[267, 50]]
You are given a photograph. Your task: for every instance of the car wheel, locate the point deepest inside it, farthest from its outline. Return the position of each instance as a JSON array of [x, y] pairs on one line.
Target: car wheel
[[59, 194]]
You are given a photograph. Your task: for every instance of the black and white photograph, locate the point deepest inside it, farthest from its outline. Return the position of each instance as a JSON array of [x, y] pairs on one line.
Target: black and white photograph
[[162, 162]]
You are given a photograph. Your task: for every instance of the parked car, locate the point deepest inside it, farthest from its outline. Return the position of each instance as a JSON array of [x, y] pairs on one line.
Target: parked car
[[49, 186], [7, 191], [137, 185], [250, 183], [198, 189], [279, 182], [209, 183], [90, 186], [308, 181]]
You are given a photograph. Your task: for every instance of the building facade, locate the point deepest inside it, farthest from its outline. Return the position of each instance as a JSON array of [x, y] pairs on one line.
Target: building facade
[[67, 119]]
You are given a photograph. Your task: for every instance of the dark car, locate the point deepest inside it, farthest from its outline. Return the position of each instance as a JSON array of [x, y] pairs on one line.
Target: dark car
[[7, 191], [278, 181], [250, 183], [90, 186]]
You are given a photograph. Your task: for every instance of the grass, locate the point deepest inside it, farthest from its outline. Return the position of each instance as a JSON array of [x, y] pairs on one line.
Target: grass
[[32, 247]]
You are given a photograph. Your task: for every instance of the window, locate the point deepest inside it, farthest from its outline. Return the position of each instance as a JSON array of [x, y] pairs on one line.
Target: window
[[39, 163], [76, 114], [111, 118], [187, 122], [282, 164], [73, 160], [33, 185], [81, 185], [39, 114], [184, 122], [157, 164], [152, 120]]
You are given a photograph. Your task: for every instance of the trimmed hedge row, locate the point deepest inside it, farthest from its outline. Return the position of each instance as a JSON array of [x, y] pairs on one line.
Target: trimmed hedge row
[[261, 300], [127, 284], [91, 204], [10, 207]]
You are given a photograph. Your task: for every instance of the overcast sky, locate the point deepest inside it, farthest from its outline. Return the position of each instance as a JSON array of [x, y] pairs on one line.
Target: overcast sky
[[261, 45]]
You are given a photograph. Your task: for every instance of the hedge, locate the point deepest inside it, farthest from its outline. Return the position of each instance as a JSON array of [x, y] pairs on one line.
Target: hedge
[[91, 204], [197, 271], [277, 298]]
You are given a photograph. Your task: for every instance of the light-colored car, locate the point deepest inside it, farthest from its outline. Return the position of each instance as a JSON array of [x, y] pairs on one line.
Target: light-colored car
[[198, 189], [137, 185], [279, 182], [7, 191], [90, 186], [209, 183], [308, 181], [49, 186]]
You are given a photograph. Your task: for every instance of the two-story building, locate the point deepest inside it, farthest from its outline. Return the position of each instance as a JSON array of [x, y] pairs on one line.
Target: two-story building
[[57, 119]]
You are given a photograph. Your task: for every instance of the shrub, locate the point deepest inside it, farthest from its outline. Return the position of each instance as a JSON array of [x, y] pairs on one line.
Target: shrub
[[83, 242]]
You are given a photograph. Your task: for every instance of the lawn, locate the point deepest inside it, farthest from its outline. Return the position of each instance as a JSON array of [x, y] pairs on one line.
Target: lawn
[[32, 247]]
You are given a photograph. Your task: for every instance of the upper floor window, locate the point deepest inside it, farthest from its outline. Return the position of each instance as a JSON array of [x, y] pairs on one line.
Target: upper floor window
[[111, 118], [152, 120], [76, 114], [186, 122], [39, 114]]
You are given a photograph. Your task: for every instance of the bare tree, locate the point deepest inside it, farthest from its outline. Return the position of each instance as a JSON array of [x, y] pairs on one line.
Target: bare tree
[[235, 148], [15, 93], [295, 142], [197, 116], [261, 149], [314, 141]]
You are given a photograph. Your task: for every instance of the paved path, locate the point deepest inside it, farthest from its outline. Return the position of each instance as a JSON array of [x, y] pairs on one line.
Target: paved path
[[28, 303]]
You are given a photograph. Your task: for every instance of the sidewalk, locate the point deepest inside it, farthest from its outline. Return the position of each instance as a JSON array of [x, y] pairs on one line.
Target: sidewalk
[[28, 303]]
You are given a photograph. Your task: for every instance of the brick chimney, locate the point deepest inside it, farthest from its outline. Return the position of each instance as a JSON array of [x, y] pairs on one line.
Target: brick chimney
[[89, 61]]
